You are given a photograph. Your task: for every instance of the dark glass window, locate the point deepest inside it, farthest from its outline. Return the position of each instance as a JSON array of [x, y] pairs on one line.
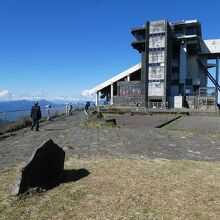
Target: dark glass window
[[188, 81], [156, 49], [139, 37], [175, 69], [157, 34], [154, 64], [178, 33], [191, 31]]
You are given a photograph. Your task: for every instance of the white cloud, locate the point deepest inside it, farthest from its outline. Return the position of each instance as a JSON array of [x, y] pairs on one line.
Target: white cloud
[[32, 95], [5, 95], [86, 95]]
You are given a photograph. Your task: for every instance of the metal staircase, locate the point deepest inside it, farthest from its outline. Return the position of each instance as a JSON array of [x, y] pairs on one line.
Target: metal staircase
[[209, 74]]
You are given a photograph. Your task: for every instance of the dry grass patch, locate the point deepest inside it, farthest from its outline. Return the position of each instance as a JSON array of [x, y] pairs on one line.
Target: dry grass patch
[[97, 123], [123, 189], [186, 133]]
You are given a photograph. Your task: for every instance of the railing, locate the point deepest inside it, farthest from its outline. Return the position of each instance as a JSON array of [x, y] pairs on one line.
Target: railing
[[207, 92], [206, 103], [12, 116], [155, 105]]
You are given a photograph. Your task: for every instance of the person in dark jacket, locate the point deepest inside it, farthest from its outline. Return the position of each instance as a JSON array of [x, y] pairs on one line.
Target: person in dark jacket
[[35, 116], [86, 108]]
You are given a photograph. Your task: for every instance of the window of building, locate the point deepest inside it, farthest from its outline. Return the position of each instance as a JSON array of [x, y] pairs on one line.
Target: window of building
[[175, 69], [178, 32], [131, 90], [191, 31], [139, 36]]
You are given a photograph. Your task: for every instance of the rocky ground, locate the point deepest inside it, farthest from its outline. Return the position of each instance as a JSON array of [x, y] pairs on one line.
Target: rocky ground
[[191, 138]]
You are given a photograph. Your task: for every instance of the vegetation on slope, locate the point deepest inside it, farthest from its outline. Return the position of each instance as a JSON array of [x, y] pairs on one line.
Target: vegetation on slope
[[122, 189]]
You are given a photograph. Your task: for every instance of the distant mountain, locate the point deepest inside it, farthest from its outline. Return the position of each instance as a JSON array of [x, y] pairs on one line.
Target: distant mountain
[[23, 105], [59, 102], [74, 102]]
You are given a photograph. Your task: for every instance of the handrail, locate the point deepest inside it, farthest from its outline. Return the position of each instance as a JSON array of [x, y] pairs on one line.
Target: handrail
[[29, 109], [14, 115]]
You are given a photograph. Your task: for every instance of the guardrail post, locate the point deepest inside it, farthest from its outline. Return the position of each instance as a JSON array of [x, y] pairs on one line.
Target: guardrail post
[[5, 117]]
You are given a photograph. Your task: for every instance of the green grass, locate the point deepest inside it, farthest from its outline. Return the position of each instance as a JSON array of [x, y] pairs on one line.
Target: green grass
[[171, 124]]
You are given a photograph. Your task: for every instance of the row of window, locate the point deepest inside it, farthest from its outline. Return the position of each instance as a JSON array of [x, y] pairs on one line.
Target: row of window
[[156, 76], [154, 64], [156, 88], [156, 69], [130, 90], [157, 34], [156, 57], [186, 31], [157, 26], [157, 81], [156, 49], [157, 41]]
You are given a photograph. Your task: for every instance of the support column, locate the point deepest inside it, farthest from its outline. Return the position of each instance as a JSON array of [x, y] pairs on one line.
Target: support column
[[217, 79], [128, 77], [145, 65], [112, 92], [97, 100], [183, 63]]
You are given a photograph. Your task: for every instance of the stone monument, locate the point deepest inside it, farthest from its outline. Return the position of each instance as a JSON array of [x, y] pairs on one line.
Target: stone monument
[[42, 170]]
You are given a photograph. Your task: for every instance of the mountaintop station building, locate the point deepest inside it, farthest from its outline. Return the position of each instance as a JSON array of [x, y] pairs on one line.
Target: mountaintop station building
[[173, 72]]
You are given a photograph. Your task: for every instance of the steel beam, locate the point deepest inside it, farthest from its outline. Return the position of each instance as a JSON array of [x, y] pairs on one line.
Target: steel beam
[[112, 93], [217, 78]]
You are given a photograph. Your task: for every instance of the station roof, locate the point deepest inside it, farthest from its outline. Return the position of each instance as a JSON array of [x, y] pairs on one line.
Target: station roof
[[212, 46], [115, 78], [184, 22]]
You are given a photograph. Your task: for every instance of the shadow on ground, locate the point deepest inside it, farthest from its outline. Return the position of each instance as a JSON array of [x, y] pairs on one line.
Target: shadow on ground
[[66, 177], [74, 175], [53, 129]]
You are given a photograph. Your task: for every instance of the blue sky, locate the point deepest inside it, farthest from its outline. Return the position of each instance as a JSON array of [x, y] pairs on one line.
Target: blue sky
[[59, 48]]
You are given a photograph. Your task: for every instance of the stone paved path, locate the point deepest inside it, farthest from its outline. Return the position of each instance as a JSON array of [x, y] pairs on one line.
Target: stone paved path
[[199, 123], [80, 141]]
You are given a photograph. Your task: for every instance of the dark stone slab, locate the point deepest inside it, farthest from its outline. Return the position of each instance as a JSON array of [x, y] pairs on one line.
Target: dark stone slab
[[111, 120], [144, 120], [44, 168], [95, 115]]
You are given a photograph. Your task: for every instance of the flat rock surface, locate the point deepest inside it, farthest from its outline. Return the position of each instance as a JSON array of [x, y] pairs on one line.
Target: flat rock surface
[[199, 123], [142, 142], [143, 120]]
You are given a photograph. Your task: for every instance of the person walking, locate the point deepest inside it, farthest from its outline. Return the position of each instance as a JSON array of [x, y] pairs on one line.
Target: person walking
[[35, 116], [70, 108], [86, 108]]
